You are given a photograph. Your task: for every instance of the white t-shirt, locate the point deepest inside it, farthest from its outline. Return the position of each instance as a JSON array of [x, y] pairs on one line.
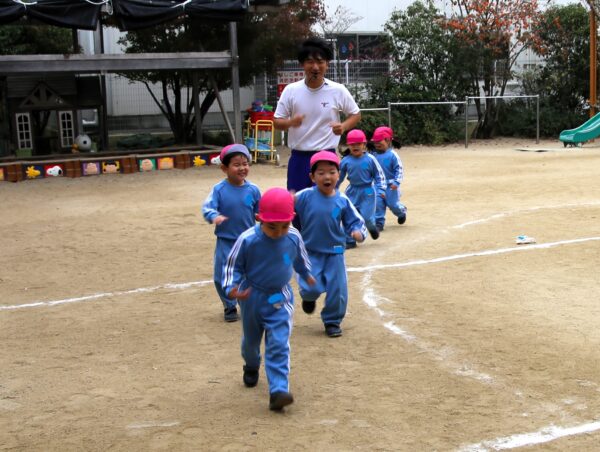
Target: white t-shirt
[[320, 108]]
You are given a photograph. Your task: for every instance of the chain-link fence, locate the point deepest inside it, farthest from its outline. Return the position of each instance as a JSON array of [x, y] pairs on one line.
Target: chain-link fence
[[352, 73]]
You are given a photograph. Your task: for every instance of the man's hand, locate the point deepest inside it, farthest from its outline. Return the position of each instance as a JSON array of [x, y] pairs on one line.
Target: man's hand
[[337, 128], [297, 120]]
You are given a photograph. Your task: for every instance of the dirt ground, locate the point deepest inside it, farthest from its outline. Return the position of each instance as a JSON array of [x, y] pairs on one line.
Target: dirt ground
[[456, 338]]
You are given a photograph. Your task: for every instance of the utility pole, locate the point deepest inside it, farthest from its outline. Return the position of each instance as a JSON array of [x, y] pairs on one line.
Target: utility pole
[[593, 53]]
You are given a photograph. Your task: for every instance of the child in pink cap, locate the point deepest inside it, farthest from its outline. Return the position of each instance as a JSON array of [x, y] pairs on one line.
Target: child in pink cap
[[392, 168], [366, 181], [231, 206], [257, 274], [327, 216]]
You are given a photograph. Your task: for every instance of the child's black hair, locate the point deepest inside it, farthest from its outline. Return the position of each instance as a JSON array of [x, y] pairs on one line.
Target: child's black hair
[[229, 156], [315, 47]]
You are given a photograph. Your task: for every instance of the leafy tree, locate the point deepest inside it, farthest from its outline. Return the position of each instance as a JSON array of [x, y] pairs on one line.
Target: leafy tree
[[263, 41], [428, 65], [27, 39], [495, 32], [564, 32]]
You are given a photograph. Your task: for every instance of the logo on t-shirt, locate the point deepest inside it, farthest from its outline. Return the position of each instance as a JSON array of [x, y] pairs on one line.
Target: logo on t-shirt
[[324, 104]]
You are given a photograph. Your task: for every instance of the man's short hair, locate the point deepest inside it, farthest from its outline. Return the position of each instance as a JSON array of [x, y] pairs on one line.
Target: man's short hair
[[315, 48]]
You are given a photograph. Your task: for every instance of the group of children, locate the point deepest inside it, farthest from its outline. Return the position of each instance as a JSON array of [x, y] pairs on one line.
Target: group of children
[[254, 263]]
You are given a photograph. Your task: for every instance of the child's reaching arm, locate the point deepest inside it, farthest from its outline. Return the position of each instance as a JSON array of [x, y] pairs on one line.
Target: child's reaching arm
[[210, 209], [234, 271]]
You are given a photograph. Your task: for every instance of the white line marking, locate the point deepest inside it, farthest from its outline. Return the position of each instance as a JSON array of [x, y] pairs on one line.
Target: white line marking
[[532, 209], [443, 355], [153, 424], [478, 253], [544, 435], [174, 286]]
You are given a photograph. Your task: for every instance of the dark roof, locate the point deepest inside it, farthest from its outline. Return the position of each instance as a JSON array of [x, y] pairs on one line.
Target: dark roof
[[130, 14]]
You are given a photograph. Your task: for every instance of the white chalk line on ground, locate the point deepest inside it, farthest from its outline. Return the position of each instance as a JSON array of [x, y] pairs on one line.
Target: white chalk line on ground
[[172, 286], [530, 209], [443, 355], [542, 436], [475, 254], [186, 285], [372, 299], [153, 425]]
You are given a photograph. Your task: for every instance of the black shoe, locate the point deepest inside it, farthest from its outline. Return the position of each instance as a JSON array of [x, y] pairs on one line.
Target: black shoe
[[374, 233], [250, 376], [379, 227], [280, 399], [309, 306], [231, 314], [350, 245], [402, 219], [333, 330]]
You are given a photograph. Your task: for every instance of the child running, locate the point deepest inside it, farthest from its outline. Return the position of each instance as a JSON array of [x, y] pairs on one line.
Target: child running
[[392, 168], [258, 273], [327, 217], [231, 206], [366, 181]]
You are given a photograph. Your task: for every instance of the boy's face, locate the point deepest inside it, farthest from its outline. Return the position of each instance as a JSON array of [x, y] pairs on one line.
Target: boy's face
[[382, 145], [275, 229], [357, 149], [237, 170], [325, 177]]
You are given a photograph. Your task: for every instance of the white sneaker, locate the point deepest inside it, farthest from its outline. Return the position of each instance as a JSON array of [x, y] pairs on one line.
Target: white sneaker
[[524, 240]]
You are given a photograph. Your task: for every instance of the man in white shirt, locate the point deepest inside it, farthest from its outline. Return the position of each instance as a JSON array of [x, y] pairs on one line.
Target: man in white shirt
[[310, 111]]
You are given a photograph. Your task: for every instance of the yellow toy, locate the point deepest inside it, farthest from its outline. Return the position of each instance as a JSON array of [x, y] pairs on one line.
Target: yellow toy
[[32, 173], [198, 161]]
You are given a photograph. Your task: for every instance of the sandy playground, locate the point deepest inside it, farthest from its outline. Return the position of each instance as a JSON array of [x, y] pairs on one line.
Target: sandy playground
[[456, 338]]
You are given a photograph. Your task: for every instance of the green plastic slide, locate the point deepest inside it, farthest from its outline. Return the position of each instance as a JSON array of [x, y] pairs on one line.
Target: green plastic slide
[[585, 132]]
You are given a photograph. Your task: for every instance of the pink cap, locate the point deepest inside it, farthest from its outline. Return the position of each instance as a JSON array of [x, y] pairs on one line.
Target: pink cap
[[325, 156], [235, 148], [276, 204], [356, 136], [382, 133]]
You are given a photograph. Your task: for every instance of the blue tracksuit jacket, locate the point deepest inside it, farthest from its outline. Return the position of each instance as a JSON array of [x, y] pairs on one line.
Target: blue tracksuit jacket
[[326, 221], [390, 163], [239, 204], [266, 266], [366, 183]]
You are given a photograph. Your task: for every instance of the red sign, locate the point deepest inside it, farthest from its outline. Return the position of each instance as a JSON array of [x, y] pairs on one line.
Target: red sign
[[284, 78]]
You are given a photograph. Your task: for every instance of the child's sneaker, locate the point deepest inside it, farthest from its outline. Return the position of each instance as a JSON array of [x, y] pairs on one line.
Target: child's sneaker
[[250, 376], [280, 399], [333, 330], [379, 228], [402, 219], [350, 245], [231, 314], [309, 306], [374, 233]]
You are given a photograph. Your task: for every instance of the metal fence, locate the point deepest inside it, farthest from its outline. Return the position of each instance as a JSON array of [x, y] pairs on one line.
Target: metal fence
[[352, 73]]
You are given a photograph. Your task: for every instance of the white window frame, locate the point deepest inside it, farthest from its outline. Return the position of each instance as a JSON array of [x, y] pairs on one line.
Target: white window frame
[[66, 128], [24, 138]]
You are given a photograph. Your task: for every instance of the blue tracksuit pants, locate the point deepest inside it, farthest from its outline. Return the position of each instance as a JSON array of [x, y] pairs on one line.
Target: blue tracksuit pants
[[222, 250], [391, 200], [329, 270], [298, 174], [363, 198], [258, 317]]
